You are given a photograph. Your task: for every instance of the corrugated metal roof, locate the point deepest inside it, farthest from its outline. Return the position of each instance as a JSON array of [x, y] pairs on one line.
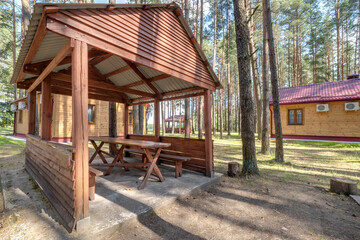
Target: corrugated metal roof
[[151, 31], [321, 92]]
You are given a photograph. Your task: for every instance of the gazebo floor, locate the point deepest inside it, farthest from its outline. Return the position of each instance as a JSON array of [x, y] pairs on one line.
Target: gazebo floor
[[118, 199]]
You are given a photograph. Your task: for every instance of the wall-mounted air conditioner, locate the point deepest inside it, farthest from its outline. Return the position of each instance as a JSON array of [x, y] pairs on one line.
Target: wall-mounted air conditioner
[[352, 106], [322, 108], [22, 105], [13, 107]]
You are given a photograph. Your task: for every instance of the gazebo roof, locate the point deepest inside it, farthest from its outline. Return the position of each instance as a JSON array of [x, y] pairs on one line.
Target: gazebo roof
[[144, 51]]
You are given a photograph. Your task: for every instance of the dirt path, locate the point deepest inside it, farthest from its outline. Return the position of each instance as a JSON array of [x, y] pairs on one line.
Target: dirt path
[[247, 209]]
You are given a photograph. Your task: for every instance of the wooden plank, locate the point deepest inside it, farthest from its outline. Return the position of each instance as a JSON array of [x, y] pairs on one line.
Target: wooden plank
[[123, 69], [68, 219], [59, 57], [46, 103], [31, 112], [131, 142], [208, 136], [56, 146], [80, 127]]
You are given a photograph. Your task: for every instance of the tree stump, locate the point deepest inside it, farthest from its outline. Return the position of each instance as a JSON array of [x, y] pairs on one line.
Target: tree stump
[[344, 186], [233, 169]]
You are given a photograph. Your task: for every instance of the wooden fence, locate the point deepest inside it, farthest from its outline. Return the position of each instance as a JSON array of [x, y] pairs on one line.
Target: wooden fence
[[51, 165], [194, 148]]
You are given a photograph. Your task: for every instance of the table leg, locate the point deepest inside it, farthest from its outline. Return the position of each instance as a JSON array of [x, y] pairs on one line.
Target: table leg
[[97, 152], [118, 158], [152, 167]]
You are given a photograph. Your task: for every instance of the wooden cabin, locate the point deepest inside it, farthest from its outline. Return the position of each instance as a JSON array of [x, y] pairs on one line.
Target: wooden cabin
[[179, 124], [323, 111], [124, 53], [61, 118]]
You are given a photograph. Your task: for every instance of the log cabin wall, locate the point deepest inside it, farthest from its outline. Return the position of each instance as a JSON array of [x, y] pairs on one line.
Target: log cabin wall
[[334, 123], [194, 148], [52, 167], [62, 118]]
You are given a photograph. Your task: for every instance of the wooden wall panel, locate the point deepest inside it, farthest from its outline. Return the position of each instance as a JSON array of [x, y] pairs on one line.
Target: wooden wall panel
[[194, 148], [22, 127], [52, 167], [335, 123]]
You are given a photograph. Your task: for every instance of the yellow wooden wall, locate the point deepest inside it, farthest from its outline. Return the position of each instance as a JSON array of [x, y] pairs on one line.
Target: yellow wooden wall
[[22, 127], [335, 123], [62, 118]]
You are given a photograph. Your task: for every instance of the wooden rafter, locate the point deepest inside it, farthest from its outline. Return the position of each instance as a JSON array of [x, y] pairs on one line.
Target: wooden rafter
[[36, 68], [35, 45], [143, 78], [59, 57], [153, 79], [102, 85], [123, 69], [99, 60]]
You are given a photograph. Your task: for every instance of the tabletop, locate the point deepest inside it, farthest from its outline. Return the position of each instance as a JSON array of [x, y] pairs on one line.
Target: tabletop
[[131, 142]]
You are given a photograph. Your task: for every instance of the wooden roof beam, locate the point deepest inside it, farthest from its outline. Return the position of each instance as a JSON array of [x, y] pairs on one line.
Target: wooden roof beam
[[36, 68], [123, 69], [59, 57], [102, 85], [153, 79], [35, 45], [143, 78]]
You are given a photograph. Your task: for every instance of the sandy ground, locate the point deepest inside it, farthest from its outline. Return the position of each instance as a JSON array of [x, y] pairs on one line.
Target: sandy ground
[[265, 207]]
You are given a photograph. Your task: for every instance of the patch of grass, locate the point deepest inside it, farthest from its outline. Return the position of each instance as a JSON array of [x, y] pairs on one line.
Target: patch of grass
[[5, 141], [321, 144]]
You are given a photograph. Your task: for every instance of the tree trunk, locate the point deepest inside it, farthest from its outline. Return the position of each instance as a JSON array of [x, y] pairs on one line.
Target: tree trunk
[[265, 141], [141, 119], [279, 152], [14, 45], [173, 117], [247, 103], [136, 120], [112, 122], [228, 69], [337, 23], [256, 82], [214, 61], [187, 100], [163, 118]]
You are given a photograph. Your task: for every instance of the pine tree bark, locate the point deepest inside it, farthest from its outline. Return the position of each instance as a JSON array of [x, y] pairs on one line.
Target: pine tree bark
[[214, 62], [112, 122], [173, 117], [163, 118], [187, 100], [14, 44], [247, 103], [265, 141], [279, 151], [141, 119], [228, 70], [135, 114], [337, 23], [200, 102]]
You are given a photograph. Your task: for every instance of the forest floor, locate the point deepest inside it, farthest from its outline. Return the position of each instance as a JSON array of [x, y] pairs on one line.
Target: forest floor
[[287, 201]]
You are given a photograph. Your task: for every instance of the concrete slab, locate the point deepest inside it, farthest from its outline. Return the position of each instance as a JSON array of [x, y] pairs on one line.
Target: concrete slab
[[16, 138], [356, 198], [118, 199]]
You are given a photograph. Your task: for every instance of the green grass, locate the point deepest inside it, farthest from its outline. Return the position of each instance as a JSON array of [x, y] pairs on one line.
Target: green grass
[[6, 131], [6, 141]]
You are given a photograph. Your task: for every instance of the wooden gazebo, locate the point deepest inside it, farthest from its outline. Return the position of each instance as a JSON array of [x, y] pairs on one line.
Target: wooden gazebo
[[131, 54], [179, 124]]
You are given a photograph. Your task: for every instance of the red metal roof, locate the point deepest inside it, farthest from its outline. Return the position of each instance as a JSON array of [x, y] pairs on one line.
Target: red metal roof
[[321, 92]]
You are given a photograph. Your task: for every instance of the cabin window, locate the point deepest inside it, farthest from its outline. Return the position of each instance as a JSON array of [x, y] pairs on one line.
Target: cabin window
[[295, 116], [91, 113], [20, 116]]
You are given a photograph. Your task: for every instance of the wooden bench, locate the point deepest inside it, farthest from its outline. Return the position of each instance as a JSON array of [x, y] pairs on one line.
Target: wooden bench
[[168, 157], [92, 174]]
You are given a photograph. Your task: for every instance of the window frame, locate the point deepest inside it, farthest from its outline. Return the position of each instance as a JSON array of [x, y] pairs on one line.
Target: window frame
[[295, 116], [94, 115]]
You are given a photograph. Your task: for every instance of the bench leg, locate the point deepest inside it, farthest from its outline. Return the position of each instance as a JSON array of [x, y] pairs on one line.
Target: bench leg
[[178, 169], [91, 187]]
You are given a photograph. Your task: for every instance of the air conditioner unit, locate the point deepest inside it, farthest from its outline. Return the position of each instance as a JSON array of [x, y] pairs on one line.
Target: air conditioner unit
[[352, 106], [22, 105], [322, 108], [13, 107]]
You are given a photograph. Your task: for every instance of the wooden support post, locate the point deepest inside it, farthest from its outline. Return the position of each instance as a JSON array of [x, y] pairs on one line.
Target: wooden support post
[[46, 108], [80, 129], [157, 119], [208, 137], [32, 112], [126, 120]]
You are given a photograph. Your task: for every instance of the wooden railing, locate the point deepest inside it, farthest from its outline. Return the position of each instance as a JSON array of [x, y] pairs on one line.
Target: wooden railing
[[194, 148], [51, 165]]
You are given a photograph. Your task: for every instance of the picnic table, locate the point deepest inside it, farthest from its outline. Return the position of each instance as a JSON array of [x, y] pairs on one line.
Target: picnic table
[[146, 146]]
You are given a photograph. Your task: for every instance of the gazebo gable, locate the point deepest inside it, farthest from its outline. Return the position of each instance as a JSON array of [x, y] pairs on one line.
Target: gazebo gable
[[147, 52]]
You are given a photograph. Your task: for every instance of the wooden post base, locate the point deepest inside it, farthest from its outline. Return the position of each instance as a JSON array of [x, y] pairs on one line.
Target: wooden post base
[[233, 169], [344, 186]]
